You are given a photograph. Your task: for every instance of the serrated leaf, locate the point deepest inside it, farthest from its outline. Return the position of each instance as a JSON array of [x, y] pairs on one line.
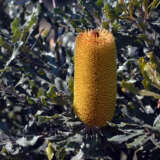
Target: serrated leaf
[[24, 33], [142, 65], [32, 21], [16, 36], [149, 93], [27, 28], [49, 151], [27, 141], [130, 86], [15, 30], [45, 119], [15, 25], [123, 138], [137, 142]]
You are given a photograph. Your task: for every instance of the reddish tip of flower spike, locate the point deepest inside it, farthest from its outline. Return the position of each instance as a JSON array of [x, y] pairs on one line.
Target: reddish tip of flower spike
[[95, 33]]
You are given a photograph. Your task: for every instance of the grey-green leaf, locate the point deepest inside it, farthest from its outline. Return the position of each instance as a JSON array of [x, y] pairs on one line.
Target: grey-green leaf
[[137, 142]]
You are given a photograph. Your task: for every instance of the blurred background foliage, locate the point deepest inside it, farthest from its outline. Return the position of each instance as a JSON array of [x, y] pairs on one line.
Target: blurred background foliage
[[36, 80]]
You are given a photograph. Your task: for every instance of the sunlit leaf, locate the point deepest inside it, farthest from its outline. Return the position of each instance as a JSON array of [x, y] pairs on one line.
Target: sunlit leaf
[[51, 93], [27, 141], [28, 26], [45, 119], [130, 86], [142, 65], [152, 74], [16, 30], [15, 25], [154, 4], [50, 151], [149, 93]]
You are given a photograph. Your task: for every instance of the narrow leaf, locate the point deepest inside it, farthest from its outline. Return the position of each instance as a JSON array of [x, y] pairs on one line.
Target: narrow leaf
[[15, 25], [137, 142], [123, 138], [145, 7], [130, 86], [149, 93], [70, 85], [153, 4], [15, 30], [24, 141], [157, 121], [45, 119], [49, 151]]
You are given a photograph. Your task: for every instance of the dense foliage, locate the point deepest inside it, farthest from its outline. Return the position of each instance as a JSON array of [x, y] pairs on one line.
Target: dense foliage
[[36, 80]]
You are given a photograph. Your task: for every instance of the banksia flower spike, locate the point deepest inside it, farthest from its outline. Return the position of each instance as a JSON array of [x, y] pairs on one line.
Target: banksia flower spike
[[95, 77]]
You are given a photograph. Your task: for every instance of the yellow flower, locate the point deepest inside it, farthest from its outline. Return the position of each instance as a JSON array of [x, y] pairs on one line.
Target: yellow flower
[[95, 77]]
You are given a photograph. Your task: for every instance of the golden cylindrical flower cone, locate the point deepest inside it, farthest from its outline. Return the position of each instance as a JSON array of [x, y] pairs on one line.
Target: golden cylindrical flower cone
[[95, 77]]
